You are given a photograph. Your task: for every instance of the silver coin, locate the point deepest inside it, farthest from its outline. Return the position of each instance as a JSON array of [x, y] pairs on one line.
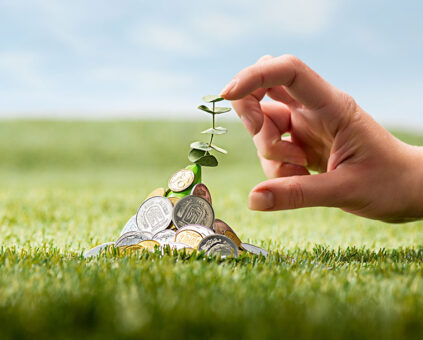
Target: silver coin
[[154, 215], [203, 231], [132, 233], [96, 250], [165, 236], [218, 244], [181, 180], [131, 225], [201, 190], [254, 249], [133, 237], [193, 210]]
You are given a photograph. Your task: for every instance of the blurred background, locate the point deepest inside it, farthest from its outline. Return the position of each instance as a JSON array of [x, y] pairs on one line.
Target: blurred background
[[143, 59]]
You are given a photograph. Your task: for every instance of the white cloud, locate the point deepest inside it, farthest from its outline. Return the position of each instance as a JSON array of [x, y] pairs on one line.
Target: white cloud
[[22, 69], [166, 38], [227, 21], [142, 79]]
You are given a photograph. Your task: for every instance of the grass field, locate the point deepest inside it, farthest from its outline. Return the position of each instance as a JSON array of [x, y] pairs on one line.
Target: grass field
[[68, 186]]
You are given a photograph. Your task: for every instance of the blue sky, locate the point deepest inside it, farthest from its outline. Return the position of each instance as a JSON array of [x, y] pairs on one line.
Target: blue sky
[[101, 59]]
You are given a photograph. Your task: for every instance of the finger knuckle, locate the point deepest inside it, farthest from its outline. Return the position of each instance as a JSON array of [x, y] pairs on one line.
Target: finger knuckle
[[268, 152], [295, 194], [292, 59], [266, 57]]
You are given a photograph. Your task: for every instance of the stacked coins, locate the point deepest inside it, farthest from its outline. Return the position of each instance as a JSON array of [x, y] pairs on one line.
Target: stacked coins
[[184, 223]]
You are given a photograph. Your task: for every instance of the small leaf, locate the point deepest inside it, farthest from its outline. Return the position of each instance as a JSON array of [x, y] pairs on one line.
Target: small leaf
[[208, 160], [221, 128], [217, 148], [195, 154], [205, 108], [212, 98], [215, 131], [221, 109], [201, 146]]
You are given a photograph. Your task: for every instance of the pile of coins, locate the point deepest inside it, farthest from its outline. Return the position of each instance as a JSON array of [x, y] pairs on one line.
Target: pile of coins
[[183, 223]]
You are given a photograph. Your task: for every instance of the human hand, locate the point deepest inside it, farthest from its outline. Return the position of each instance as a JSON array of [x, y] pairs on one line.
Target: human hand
[[363, 169]]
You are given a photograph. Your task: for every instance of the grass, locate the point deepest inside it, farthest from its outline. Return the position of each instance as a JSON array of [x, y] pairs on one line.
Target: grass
[[68, 186]]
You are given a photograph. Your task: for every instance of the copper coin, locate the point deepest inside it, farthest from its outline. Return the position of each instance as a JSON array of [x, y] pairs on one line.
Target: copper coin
[[201, 190], [220, 227], [234, 237]]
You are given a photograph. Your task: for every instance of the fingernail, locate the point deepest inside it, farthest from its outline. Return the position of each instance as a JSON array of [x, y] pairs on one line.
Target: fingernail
[[225, 91], [261, 200]]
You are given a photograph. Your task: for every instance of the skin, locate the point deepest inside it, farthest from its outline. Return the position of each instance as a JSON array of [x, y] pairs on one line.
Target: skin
[[361, 168]]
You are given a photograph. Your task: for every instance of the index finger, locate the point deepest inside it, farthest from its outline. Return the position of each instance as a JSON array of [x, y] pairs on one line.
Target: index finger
[[300, 81]]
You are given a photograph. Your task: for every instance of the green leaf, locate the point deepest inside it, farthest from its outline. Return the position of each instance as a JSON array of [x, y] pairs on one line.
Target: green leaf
[[205, 108], [212, 98], [217, 148], [221, 109], [208, 160], [201, 146], [195, 154], [215, 131]]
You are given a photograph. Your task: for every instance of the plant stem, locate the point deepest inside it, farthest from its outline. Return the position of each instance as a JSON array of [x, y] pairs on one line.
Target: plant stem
[[213, 125]]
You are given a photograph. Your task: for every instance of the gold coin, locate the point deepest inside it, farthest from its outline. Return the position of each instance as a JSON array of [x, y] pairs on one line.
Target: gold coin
[[148, 244], [189, 237], [157, 192], [181, 180], [174, 200], [132, 247], [231, 235], [172, 227]]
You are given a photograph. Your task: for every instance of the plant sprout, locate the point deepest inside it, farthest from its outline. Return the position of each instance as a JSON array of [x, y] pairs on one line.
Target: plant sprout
[[200, 151]]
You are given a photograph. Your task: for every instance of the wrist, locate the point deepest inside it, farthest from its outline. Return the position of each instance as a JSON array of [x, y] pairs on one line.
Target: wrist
[[413, 183]]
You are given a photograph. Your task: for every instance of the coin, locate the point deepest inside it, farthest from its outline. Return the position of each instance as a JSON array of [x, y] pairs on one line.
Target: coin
[[234, 237], [96, 250], [131, 248], [131, 225], [181, 180], [220, 227], [254, 249], [165, 236], [193, 210], [201, 190], [218, 244], [174, 200], [204, 231], [149, 244], [189, 237], [157, 192], [133, 237], [154, 215], [177, 246]]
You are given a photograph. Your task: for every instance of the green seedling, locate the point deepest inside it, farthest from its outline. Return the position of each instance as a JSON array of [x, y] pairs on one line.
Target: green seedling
[[201, 151]]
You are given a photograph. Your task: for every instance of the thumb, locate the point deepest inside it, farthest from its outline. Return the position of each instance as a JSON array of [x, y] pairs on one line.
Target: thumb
[[327, 189]]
